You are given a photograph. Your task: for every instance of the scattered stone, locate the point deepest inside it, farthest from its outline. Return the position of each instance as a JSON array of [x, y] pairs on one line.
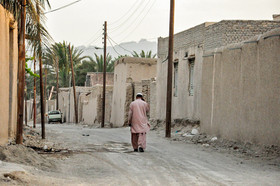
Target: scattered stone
[[214, 139], [205, 145], [187, 135], [194, 132], [235, 148], [45, 147]]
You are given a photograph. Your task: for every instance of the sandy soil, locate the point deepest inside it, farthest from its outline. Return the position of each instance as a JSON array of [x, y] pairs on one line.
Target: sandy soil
[[75, 155]]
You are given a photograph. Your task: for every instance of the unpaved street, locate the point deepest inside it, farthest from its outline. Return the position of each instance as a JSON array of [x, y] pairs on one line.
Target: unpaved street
[[105, 157]]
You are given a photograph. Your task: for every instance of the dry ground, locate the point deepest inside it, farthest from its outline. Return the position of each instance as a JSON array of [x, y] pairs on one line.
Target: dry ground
[[75, 155]]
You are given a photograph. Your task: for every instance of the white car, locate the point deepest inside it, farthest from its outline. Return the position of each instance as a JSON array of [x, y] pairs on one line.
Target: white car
[[54, 116]]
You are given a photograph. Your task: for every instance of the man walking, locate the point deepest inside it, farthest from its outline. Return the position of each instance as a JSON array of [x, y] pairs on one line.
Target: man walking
[[138, 121]]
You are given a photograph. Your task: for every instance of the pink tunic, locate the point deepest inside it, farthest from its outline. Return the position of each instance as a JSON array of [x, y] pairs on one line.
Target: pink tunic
[[137, 116]]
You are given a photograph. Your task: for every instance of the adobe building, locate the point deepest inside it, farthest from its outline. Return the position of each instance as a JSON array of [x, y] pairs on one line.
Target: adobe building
[[132, 75], [96, 78], [8, 75], [240, 97], [189, 48], [89, 103]]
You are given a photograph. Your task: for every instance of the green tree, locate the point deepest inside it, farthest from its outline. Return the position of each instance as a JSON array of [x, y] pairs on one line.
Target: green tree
[[58, 58], [100, 64], [142, 54], [82, 69]]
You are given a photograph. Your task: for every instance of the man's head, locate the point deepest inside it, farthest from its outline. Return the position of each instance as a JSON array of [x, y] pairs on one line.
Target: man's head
[[139, 96]]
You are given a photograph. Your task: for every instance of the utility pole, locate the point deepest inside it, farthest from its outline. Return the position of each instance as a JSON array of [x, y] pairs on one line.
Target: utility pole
[[74, 88], [25, 103], [42, 100], [170, 70], [21, 77], [45, 90], [34, 98], [57, 85], [104, 76]]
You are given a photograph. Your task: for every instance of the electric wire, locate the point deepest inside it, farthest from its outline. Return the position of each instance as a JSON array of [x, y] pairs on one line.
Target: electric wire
[[63, 7], [135, 10], [120, 45], [131, 8], [139, 14], [113, 47], [93, 39], [140, 21]]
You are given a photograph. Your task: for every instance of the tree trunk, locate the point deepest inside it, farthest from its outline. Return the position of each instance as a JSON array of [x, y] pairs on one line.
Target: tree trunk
[[21, 73]]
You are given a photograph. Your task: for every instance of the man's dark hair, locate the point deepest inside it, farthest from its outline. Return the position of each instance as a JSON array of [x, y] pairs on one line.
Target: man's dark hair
[[139, 96]]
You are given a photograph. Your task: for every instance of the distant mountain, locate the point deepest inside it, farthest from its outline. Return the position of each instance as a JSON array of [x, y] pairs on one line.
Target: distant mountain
[[123, 49]]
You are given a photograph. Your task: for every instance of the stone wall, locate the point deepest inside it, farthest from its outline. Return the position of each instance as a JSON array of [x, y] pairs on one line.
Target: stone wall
[[240, 91], [8, 76]]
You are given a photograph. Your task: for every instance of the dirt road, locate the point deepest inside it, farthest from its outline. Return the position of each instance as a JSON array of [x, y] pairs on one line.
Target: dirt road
[[105, 157]]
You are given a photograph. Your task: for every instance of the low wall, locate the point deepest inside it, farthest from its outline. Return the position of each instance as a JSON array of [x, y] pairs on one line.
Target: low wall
[[240, 91]]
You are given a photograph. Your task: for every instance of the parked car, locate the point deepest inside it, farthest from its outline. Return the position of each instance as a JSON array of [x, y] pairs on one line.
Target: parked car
[[54, 116]]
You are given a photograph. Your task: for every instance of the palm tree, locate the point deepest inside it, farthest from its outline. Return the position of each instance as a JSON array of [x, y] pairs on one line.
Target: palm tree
[[82, 69], [100, 64], [142, 54], [24, 12], [57, 56]]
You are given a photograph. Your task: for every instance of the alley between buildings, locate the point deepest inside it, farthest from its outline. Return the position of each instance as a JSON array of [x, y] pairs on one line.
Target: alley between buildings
[[95, 156]]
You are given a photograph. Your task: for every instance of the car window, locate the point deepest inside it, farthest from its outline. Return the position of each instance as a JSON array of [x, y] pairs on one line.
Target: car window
[[54, 112]]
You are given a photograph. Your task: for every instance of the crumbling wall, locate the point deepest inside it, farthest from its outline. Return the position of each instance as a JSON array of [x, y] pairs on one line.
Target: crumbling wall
[[240, 91], [89, 103], [129, 73], [129, 98], [96, 78]]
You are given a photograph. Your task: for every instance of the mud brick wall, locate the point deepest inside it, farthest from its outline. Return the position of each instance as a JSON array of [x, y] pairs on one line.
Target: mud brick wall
[[129, 99], [240, 91], [96, 78], [146, 90], [153, 95]]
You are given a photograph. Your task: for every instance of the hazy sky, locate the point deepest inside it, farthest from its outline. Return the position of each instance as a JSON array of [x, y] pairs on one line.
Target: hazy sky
[[132, 20]]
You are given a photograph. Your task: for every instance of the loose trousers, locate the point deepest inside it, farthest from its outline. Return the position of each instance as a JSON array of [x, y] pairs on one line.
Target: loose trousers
[[138, 140]]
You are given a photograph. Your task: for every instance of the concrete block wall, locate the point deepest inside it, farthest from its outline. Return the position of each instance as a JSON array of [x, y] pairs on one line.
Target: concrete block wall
[[240, 91], [234, 31], [193, 43]]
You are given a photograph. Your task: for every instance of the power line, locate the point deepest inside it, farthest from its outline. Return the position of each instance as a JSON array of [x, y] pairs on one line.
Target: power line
[[95, 38], [63, 6], [133, 21], [140, 20], [119, 45], [113, 46], [135, 10], [125, 14]]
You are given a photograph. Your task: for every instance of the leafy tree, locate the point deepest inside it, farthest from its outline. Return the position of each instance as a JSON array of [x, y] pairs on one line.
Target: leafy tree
[[142, 54], [28, 70], [82, 69]]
